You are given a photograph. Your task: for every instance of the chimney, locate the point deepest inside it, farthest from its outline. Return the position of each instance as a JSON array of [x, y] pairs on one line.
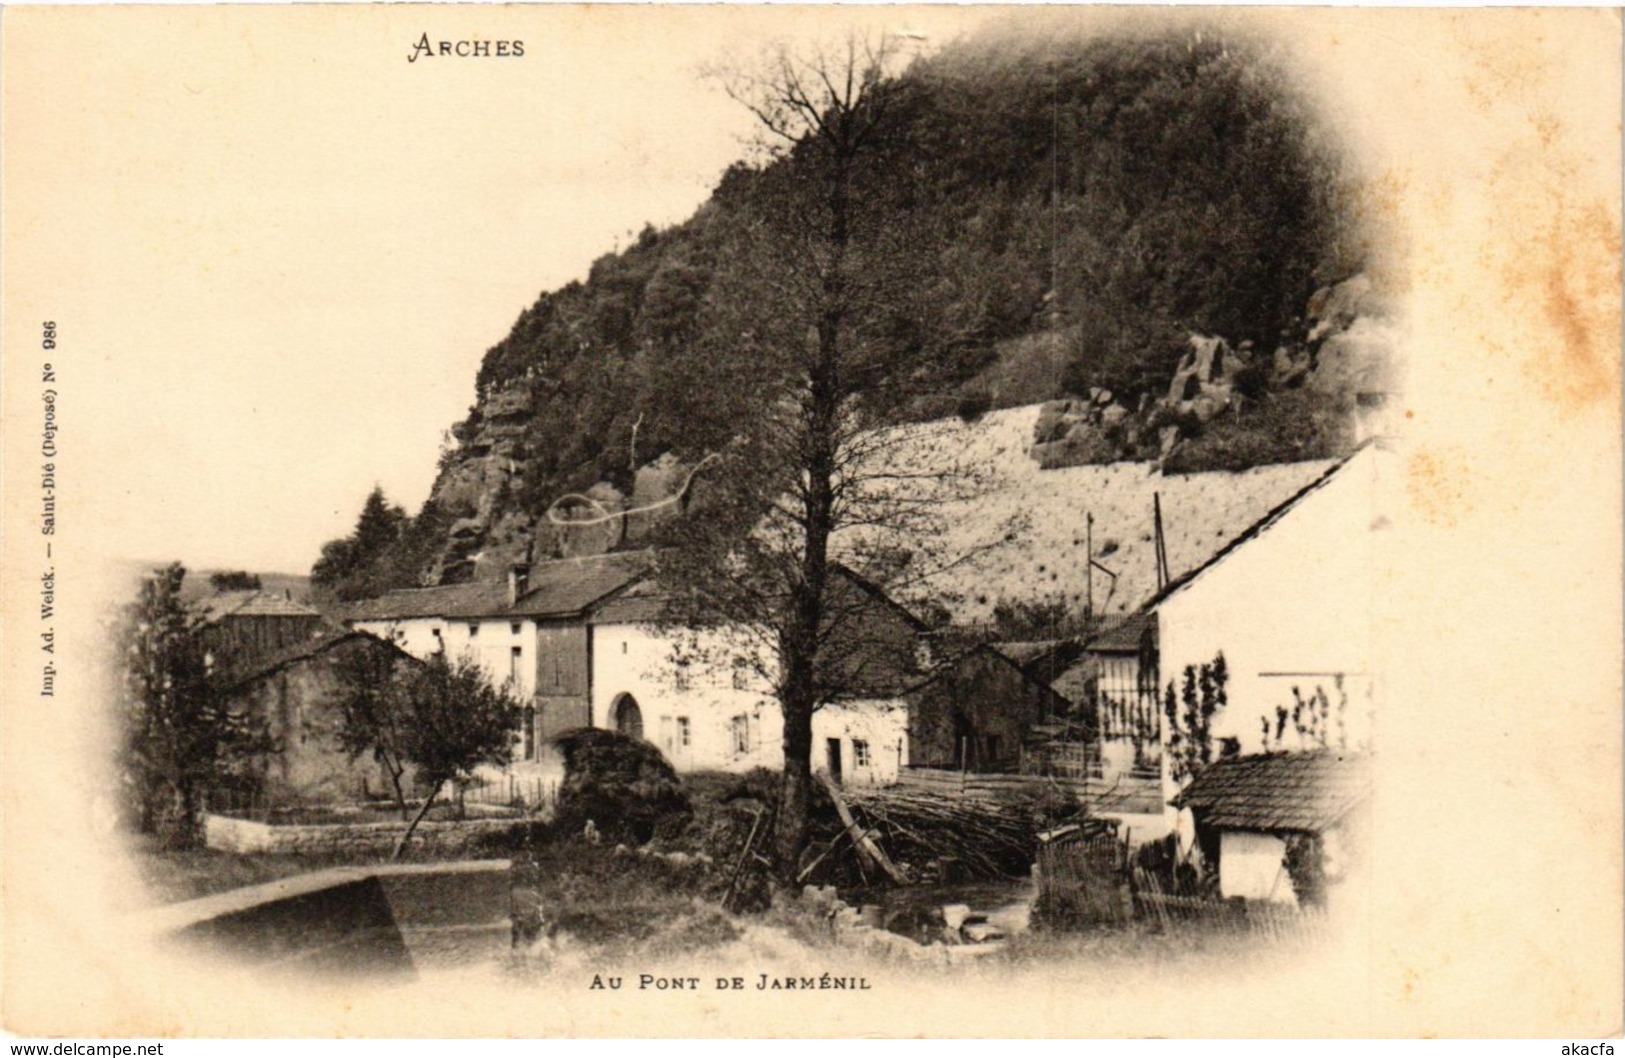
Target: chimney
[[518, 581]]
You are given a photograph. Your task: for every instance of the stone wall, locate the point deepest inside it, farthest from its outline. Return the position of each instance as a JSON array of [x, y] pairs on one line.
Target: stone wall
[[248, 836]]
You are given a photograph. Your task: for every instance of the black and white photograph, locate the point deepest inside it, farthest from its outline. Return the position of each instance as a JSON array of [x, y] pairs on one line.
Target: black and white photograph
[[790, 521]]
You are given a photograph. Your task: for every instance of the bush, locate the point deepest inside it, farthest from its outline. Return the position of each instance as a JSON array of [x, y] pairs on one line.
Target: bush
[[1284, 427], [622, 785], [974, 405]]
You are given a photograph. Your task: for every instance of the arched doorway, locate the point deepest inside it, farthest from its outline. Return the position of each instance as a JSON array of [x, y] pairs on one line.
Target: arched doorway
[[626, 716]]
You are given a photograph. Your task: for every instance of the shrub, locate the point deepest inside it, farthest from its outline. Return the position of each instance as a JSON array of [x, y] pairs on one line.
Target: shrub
[[622, 785], [974, 405]]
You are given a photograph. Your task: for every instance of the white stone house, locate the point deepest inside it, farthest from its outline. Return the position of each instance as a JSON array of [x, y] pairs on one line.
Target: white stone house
[[703, 700], [528, 634], [1288, 602]]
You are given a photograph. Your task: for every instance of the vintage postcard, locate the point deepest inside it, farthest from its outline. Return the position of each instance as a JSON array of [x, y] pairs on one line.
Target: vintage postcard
[[576, 521]]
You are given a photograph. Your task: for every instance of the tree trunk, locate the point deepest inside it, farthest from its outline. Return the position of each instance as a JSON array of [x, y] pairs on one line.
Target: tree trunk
[[795, 791], [400, 846], [395, 772], [175, 822]]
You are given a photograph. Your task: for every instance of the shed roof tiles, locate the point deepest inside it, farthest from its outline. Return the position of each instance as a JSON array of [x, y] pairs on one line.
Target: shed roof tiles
[[1278, 791]]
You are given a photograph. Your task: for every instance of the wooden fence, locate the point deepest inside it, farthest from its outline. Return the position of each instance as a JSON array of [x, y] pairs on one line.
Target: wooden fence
[[1082, 875], [518, 792], [1119, 794], [1283, 923]]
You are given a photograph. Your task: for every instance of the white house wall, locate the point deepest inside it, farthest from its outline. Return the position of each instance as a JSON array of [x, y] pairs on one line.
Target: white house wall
[[640, 660], [712, 697], [1253, 865], [492, 646], [1291, 607], [881, 726]]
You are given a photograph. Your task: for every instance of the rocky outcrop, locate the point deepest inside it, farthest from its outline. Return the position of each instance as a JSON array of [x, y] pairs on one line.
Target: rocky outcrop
[[1208, 377], [1081, 431], [1344, 354]]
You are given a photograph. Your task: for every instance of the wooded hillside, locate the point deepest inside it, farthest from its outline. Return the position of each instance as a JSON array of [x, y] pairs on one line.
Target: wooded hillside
[[1075, 209]]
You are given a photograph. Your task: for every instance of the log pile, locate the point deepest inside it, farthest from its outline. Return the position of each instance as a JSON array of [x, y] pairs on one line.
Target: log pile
[[922, 837]]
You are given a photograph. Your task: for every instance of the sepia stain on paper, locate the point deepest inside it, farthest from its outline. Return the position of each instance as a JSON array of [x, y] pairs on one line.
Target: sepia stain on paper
[[1556, 249], [1579, 298], [1436, 481]]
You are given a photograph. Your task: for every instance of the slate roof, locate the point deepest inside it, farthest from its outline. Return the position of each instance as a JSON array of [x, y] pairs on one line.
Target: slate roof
[[1073, 683], [560, 588], [952, 664], [233, 677], [1024, 654], [1262, 525], [645, 604], [639, 604], [1124, 636], [1278, 791], [252, 603]]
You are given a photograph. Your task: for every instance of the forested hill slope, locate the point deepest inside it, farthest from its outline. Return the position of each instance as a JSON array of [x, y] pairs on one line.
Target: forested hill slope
[[1077, 209]]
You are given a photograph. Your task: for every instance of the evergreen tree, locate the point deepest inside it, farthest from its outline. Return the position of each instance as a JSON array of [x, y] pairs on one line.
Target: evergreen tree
[[179, 738]]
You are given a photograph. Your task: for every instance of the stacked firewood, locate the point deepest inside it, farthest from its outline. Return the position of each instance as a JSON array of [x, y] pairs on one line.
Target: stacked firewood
[[904, 838]]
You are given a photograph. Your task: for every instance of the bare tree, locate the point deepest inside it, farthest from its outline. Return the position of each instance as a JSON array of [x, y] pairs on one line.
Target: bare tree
[[811, 349]]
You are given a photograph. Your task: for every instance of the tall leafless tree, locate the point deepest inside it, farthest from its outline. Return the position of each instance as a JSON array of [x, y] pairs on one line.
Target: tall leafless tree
[[811, 350]]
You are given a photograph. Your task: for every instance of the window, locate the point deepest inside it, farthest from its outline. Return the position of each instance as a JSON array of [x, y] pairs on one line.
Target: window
[[623, 646], [680, 679], [741, 674], [514, 627], [473, 629], [682, 731], [860, 753], [514, 656], [741, 734]]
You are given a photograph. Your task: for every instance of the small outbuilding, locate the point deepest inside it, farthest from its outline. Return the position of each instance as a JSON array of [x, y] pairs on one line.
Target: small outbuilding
[[976, 712], [294, 692], [1282, 826]]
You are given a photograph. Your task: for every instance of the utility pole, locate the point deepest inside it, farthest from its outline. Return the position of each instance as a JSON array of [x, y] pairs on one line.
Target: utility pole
[[1089, 567]]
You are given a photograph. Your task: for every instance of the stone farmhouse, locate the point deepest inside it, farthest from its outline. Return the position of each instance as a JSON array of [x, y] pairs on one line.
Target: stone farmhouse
[[583, 641], [292, 690], [529, 633], [706, 699], [1288, 602]]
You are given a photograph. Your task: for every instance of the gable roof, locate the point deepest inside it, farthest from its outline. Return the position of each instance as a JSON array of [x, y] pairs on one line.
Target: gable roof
[[569, 586], [879, 594], [1074, 682], [990, 650], [561, 588], [1258, 528], [644, 603], [252, 602], [1125, 636], [1026, 653], [233, 678], [639, 604], [1018, 533], [1278, 791]]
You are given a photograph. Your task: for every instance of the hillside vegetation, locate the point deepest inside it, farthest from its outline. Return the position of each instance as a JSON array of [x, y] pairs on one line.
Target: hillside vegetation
[[1077, 209]]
